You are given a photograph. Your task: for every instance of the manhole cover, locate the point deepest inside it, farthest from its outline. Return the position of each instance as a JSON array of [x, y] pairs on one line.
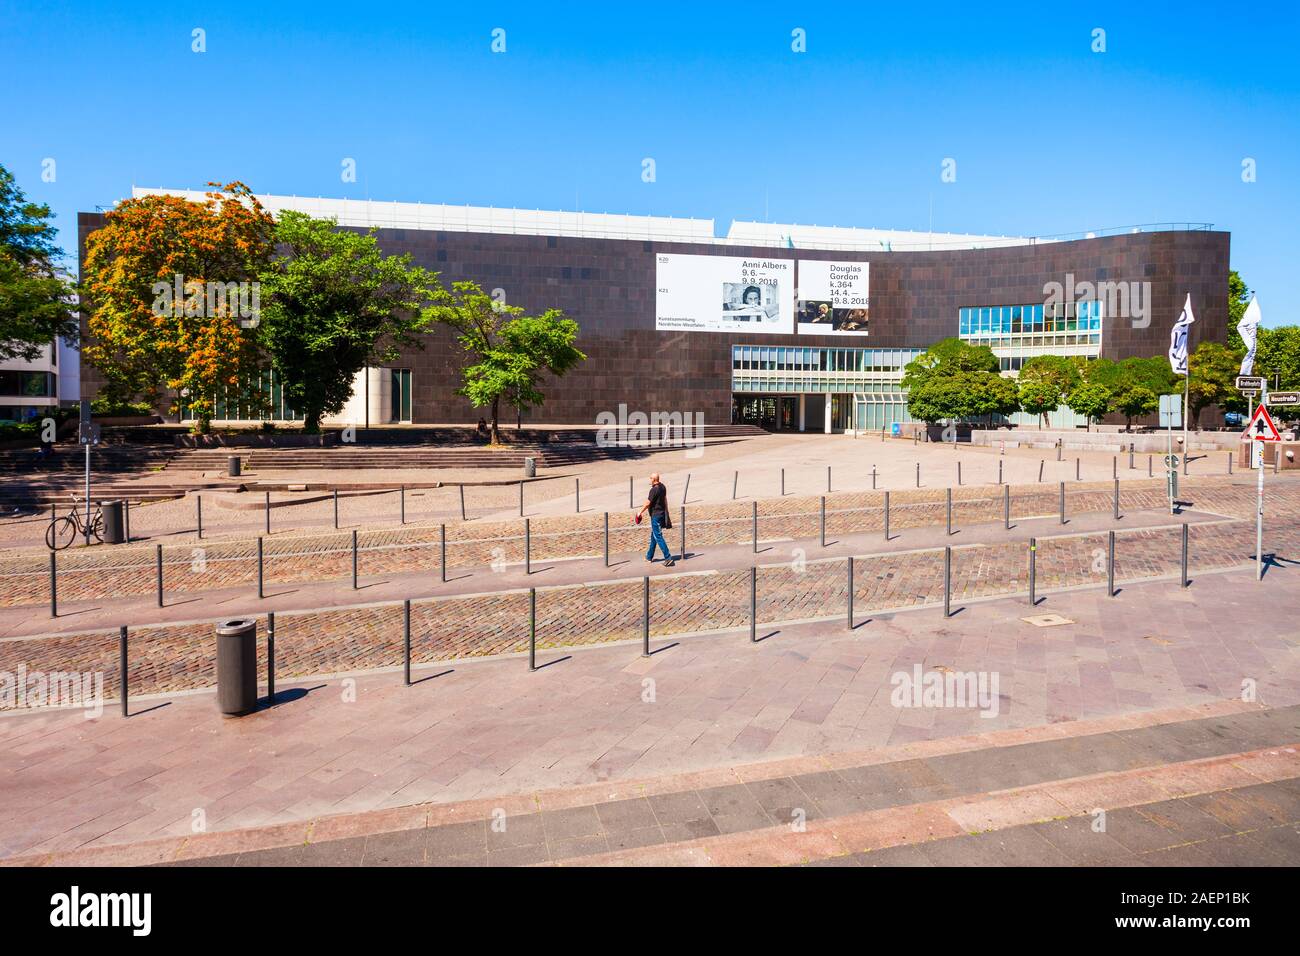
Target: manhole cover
[[1046, 620]]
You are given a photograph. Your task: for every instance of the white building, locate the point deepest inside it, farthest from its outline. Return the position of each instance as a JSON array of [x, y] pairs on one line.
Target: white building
[[28, 390]]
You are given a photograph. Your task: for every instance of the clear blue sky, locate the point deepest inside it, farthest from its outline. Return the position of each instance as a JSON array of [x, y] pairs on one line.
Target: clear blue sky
[[1048, 136]]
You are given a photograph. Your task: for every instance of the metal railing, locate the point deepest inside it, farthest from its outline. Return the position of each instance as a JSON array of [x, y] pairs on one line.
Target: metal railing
[[201, 566]]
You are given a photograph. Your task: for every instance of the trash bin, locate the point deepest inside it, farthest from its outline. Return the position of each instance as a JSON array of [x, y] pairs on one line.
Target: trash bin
[[114, 532], [530, 467], [237, 666], [232, 466]]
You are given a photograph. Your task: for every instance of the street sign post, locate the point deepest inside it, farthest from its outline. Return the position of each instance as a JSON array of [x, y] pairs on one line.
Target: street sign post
[[1260, 429], [87, 434], [1250, 382], [1171, 417], [1280, 399]]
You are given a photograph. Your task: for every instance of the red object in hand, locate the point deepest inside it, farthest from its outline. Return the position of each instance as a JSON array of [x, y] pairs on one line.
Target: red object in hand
[[637, 519]]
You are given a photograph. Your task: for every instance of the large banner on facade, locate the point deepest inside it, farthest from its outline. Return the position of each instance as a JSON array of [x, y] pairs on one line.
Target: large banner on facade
[[724, 294], [833, 297]]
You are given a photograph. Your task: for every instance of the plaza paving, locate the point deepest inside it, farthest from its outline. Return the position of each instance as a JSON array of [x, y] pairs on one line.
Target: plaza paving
[[728, 737], [599, 726]]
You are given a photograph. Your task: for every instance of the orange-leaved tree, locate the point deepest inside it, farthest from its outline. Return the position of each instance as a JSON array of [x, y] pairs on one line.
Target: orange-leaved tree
[[170, 288]]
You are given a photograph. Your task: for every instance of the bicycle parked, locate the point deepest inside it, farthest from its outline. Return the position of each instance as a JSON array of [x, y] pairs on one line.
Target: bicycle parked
[[63, 531]]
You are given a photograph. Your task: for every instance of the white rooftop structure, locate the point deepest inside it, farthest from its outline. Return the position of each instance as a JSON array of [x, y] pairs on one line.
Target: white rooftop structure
[[593, 225], [489, 219], [796, 236]]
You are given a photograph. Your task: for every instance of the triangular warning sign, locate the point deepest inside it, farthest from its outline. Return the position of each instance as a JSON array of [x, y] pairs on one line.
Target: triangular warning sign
[[1261, 427]]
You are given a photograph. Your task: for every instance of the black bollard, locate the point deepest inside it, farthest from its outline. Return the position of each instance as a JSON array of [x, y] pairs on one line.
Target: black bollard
[[753, 605], [532, 629], [947, 582], [1033, 569], [645, 616], [123, 669], [1110, 564]]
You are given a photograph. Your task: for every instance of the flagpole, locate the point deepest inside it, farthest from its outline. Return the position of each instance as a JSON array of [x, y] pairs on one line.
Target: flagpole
[[1259, 494], [1187, 385]]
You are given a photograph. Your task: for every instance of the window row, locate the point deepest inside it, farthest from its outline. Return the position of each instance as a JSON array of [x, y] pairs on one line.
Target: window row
[[26, 384], [781, 359], [1050, 317], [751, 385], [1035, 342]]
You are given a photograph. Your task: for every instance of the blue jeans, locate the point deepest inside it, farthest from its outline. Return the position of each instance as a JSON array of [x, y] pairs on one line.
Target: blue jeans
[[657, 538]]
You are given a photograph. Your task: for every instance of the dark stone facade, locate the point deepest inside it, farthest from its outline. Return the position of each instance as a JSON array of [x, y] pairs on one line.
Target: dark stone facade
[[608, 287]]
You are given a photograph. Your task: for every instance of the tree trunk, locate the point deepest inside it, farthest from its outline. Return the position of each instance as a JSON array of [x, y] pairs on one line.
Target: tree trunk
[[311, 423], [496, 414]]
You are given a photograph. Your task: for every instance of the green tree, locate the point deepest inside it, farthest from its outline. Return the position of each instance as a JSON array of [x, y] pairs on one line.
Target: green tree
[[1153, 374], [1089, 399], [510, 350], [1132, 401], [952, 380], [333, 304], [934, 399], [1277, 355], [989, 394], [1039, 397], [1238, 299], [140, 332], [946, 358], [36, 301], [1047, 376], [1212, 379]]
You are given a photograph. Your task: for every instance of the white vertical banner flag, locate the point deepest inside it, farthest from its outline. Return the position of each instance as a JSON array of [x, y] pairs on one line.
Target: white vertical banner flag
[[1178, 338], [1247, 328]]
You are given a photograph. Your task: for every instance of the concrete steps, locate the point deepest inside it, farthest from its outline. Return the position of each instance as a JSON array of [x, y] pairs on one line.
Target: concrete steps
[[317, 459]]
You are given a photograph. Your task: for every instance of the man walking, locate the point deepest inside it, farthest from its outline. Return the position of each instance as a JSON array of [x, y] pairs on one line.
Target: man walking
[[657, 504]]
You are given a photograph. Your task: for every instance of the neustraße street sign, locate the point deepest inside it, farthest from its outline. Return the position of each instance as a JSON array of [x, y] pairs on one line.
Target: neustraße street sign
[[1283, 398], [1250, 381]]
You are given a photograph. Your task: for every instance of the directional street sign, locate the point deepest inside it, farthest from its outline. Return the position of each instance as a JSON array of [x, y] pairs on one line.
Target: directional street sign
[[1255, 382], [1283, 398], [1261, 427]]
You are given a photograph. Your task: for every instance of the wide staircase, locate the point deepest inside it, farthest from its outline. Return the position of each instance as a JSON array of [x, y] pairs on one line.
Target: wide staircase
[[371, 457], [564, 449], [27, 480]]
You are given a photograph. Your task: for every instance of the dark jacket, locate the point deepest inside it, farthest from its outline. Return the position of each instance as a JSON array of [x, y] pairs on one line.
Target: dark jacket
[[658, 499]]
